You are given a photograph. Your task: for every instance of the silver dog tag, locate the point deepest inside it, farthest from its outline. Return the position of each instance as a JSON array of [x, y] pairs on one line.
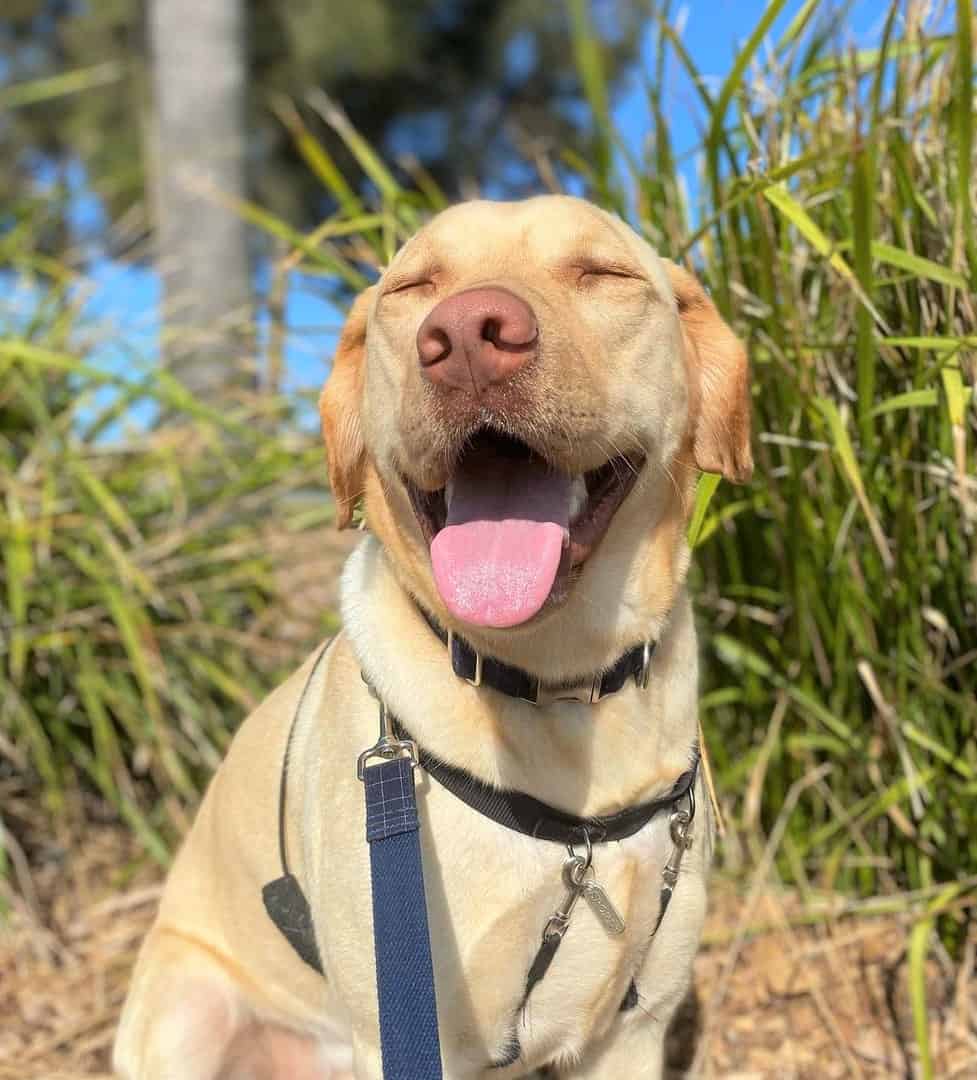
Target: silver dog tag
[[602, 907]]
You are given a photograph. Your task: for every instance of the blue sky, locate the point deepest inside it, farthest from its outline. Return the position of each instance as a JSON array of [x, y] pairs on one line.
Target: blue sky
[[122, 300]]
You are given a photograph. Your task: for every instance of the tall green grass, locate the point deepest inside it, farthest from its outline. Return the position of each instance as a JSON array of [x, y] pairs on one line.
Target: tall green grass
[[138, 600], [833, 220]]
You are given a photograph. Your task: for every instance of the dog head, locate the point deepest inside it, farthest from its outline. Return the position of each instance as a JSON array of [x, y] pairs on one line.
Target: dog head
[[524, 398]]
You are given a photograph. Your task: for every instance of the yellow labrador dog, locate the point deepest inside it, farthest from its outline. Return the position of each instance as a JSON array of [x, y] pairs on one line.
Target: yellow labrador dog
[[523, 402]]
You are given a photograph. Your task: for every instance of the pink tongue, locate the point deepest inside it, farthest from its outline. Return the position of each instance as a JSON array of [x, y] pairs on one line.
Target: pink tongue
[[497, 557]]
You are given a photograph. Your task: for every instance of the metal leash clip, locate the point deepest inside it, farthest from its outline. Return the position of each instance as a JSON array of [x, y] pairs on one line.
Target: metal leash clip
[[387, 746], [680, 830], [580, 880]]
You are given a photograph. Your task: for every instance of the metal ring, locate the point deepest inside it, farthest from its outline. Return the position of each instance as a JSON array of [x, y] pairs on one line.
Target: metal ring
[[589, 857], [644, 675], [555, 927], [598, 832]]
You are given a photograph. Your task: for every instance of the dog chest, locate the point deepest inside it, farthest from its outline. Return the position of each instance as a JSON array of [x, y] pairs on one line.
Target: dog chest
[[490, 894]]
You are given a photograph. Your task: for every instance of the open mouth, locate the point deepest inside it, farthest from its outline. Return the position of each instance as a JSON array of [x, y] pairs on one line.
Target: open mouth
[[509, 527]]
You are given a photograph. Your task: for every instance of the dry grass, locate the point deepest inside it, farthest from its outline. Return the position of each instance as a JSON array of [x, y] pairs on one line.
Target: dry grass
[[824, 1000], [66, 953]]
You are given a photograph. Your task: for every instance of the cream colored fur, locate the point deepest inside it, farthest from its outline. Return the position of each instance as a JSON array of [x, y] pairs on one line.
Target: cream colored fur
[[624, 363]]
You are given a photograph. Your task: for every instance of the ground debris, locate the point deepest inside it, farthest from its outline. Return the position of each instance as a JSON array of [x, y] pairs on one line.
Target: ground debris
[[790, 1001]]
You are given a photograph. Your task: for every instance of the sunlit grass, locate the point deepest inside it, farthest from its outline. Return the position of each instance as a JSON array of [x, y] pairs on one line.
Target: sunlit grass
[[135, 580]]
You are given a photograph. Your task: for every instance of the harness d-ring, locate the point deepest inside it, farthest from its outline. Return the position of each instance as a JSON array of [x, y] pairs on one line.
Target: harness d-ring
[[589, 857]]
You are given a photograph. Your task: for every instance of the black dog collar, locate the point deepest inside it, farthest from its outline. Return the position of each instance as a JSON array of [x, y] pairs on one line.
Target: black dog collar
[[480, 670]]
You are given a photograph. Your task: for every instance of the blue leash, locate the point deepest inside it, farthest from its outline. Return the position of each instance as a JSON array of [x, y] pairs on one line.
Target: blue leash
[[409, 1039]]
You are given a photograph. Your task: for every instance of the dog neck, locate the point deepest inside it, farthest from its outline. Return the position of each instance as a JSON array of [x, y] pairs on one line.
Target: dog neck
[[581, 758]]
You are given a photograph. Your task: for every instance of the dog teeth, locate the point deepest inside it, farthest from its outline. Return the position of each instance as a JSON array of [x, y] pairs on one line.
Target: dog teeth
[[449, 491], [578, 497]]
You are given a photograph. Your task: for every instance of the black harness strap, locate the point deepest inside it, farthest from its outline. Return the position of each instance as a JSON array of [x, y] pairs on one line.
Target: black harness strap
[[630, 998], [289, 909], [552, 941], [284, 900], [521, 812]]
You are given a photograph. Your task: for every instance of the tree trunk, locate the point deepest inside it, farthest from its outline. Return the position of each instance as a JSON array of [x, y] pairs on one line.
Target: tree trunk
[[198, 82]]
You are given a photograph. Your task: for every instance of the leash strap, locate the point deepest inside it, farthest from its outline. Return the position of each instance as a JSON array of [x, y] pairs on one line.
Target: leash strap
[[409, 1038]]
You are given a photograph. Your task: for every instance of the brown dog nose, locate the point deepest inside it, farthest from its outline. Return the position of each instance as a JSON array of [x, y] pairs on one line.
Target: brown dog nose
[[476, 338]]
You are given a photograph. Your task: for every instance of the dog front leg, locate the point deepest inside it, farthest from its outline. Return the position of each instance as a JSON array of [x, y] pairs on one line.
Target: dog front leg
[[367, 1062], [633, 1048], [187, 1018], [182, 1014]]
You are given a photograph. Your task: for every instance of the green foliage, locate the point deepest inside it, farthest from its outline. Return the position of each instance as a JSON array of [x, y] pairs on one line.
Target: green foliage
[[138, 600], [837, 593]]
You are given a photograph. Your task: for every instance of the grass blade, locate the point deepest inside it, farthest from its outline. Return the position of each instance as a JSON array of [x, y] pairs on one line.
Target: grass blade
[[863, 201], [704, 491], [964, 242], [849, 465], [917, 266], [912, 399], [743, 57], [781, 199], [63, 85]]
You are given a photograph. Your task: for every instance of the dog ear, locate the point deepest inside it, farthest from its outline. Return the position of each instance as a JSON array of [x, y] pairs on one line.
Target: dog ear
[[719, 377], [339, 409]]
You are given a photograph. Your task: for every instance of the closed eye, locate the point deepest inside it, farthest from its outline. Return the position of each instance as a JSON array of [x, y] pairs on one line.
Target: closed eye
[[423, 275], [609, 270], [406, 286]]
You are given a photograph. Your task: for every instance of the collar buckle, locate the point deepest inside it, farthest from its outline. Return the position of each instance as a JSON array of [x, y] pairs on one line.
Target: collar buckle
[[586, 693], [468, 664]]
